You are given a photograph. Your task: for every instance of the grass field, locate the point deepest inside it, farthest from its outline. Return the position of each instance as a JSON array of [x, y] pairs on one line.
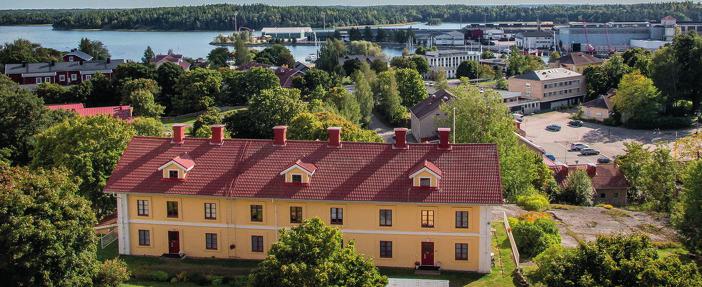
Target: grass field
[[142, 267], [190, 119]]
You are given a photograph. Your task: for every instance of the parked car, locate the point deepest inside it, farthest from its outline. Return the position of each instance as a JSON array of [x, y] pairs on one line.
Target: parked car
[[589, 151], [553, 127], [550, 156], [578, 146], [575, 123], [604, 159]]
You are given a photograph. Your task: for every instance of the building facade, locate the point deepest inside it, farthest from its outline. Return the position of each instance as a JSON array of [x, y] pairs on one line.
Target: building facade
[[404, 205], [62, 73], [576, 62], [534, 40], [425, 115], [448, 60], [552, 88]]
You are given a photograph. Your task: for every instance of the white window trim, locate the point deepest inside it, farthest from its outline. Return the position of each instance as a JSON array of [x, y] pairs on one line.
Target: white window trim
[[62, 78]]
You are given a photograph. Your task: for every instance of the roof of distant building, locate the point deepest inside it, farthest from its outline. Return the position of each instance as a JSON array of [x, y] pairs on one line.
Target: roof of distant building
[[548, 74], [604, 176], [534, 34], [579, 58], [248, 168], [80, 54], [31, 68], [120, 112], [285, 30], [431, 103]]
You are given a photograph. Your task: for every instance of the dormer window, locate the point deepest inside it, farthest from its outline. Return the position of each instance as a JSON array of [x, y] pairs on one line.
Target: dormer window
[[425, 175], [425, 182], [299, 173], [178, 167]]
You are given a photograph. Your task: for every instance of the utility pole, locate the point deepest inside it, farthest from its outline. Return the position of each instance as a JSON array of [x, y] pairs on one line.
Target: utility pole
[[454, 125]]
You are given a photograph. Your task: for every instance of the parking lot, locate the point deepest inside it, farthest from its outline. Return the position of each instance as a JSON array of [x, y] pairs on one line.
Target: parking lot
[[608, 140]]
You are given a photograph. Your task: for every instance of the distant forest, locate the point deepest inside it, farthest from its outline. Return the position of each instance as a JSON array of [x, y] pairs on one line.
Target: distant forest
[[221, 17]]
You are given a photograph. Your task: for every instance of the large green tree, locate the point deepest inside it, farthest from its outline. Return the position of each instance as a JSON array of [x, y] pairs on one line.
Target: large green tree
[[637, 99], [94, 48], [312, 254], [277, 55], [218, 57], [468, 69], [167, 76], [277, 106], [411, 87], [22, 115], [344, 103], [46, 230], [483, 118], [688, 56], [148, 55], [89, 148], [577, 189], [329, 55], [518, 63], [688, 219], [658, 180], [364, 97], [600, 79], [388, 98], [21, 50], [239, 87], [313, 126], [198, 90], [613, 261]]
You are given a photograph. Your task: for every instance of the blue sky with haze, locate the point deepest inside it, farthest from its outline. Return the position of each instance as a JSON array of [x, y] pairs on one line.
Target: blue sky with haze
[[54, 4]]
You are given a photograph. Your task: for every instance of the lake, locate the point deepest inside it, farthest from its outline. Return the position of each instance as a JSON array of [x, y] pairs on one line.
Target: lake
[[131, 44]]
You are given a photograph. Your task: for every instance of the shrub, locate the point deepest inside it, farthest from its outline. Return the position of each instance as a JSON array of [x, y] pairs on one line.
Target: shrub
[[533, 202], [534, 237], [159, 276], [112, 273], [533, 216], [605, 206], [577, 189], [182, 276], [198, 279]]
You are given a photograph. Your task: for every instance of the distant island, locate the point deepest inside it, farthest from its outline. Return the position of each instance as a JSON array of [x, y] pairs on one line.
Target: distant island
[[221, 17]]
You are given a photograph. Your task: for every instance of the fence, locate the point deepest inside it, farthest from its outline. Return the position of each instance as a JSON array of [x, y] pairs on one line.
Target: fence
[[108, 238], [513, 244]]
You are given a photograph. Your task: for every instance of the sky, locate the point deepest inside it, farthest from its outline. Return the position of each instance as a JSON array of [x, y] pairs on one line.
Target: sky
[[57, 4]]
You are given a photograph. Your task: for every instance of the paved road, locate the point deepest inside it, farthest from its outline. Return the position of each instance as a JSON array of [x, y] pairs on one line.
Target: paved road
[[382, 128], [608, 140]]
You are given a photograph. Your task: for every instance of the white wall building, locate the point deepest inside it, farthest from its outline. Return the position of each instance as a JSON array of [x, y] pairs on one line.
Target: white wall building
[[449, 60], [534, 40], [453, 38]]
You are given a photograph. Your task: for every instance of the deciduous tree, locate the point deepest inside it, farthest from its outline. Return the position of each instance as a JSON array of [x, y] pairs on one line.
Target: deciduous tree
[[312, 254], [577, 189], [411, 87], [468, 69], [94, 48], [22, 115], [637, 99], [218, 57], [364, 97], [198, 90], [46, 230], [89, 148]]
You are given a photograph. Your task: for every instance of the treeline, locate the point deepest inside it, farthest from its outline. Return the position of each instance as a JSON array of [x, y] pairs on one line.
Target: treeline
[[221, 16]]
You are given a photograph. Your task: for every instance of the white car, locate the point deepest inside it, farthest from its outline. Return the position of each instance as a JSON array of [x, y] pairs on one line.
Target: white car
[[578, 146]]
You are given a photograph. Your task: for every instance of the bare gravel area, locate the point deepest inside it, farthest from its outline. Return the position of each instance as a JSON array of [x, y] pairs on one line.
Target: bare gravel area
[[576, 223]]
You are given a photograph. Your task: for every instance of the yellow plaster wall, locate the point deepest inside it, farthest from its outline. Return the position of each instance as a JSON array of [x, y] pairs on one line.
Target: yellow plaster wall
[[173, 166], [361, 223], [424, 173], [297, 170]]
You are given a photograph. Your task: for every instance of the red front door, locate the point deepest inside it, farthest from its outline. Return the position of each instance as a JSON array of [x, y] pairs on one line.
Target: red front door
[[173, 242], [428, 253]]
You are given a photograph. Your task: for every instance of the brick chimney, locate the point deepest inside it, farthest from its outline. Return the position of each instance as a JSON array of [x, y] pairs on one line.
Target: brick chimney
[[279, 135], [178, 133], [400, 139], [217, 134], [444, 143], [591, 169], [334, 135]]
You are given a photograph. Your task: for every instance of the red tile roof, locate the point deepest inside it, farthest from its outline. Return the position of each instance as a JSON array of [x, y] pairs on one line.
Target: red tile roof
[[428, 165], [604, 176], [309, 167], [184, 161], [121, 112], [244, 168]]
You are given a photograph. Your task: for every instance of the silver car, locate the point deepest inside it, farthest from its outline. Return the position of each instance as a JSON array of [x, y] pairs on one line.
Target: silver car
[[589, 151]]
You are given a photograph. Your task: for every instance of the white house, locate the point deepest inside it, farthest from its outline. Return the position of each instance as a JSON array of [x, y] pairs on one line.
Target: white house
[[453, 38], [448, 60]]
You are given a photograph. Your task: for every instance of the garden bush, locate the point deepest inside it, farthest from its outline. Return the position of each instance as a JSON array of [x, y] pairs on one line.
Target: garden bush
[[198, 279], [534, 237], [112, 273], [159, 276], [533, 202]]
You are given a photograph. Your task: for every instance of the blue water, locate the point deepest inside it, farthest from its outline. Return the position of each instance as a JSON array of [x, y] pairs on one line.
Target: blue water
[[131, 45]]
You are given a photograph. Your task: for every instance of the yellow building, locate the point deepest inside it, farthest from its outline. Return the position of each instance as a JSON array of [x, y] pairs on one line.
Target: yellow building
[[404, 205]]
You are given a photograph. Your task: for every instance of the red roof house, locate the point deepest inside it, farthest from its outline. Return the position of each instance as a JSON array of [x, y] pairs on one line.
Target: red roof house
[[608, 180], [352, 171], [120, 112]]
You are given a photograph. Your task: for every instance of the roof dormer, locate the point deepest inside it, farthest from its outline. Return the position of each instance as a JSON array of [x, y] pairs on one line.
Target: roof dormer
[[425, 175], [178, 167], [299, 173]]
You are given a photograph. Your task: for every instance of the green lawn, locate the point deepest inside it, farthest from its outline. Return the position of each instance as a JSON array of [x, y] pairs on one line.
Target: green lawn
[[141, 267], [190, 119]]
